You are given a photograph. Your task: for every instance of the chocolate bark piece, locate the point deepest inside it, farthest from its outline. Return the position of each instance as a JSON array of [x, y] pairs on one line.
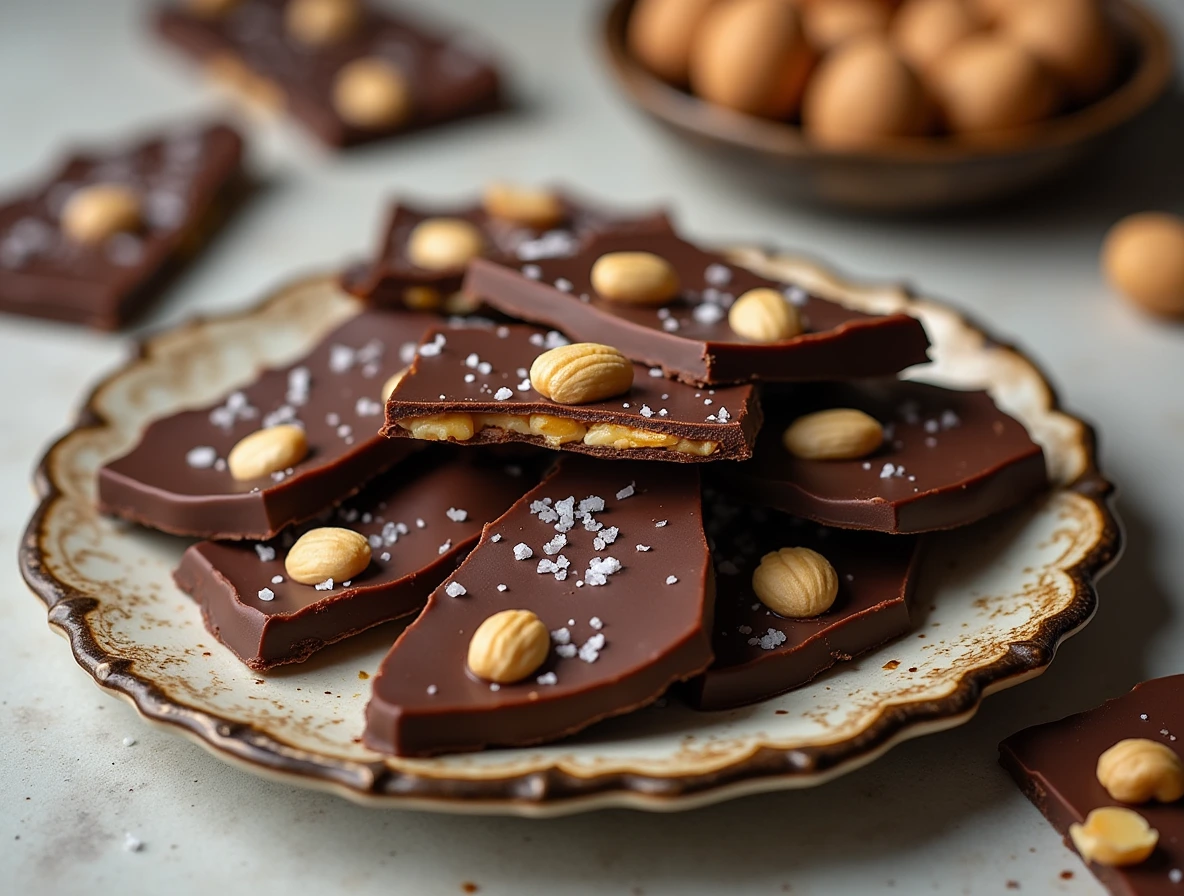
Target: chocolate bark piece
[[176, 478], [949, 458], [420, 519], [485, 377], [759, 654], [625, 621], [689, 337], [187, 180], [1055, 765], [250, 45], [391, 279]]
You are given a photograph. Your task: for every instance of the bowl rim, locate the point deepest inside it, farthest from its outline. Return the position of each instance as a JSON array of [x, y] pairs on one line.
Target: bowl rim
[[1139, 91]]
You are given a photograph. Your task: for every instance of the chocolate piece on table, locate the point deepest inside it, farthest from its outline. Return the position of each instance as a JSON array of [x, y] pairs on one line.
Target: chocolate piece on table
[[421, 519], [357, 75], [949, 458], [1055, 765], [71, 251], [391, 278], [625, 621], [481, 379], [177, 479], [759, 654], [689, 337]]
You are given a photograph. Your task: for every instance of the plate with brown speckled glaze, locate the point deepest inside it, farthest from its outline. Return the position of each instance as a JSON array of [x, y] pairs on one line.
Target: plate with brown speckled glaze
[[997, 599]]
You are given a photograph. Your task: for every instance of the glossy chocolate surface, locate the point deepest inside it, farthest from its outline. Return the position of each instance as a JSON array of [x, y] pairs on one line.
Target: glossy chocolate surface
[[450, 380], [689, 338], [1055, 766], [421, 519], [448, 76], [949, 458], [163, 484], [385, 279], [615, 646], [187, 179], [759, 654]]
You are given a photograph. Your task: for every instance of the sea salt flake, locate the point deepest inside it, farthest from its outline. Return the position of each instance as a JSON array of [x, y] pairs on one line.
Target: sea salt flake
[[432, 690], [567, 651], [445, 547], [671, 580], [326, 585], [276, 580], [495, 538], [627, 492], [201, 458], [660, 524], [522, 551], [456, 514], [547, 678], [503, 393], [367, 407], [266, 594], [647, 411], [266, 552], [556, 544], [470, 377], [656, 372], [455, 589], [561, 636], [707, 313], [595, 623], [643, 548], [718, 274]]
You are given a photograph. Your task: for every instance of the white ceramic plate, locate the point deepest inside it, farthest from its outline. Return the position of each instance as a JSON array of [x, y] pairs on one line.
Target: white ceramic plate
[[1000, 596]]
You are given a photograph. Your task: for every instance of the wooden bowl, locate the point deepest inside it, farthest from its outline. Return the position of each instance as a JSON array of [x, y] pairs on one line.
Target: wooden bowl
[[913, 175]]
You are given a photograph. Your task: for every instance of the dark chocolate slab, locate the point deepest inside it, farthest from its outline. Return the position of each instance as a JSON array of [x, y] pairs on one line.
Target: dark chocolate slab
[[421, 520], [1055, 766], [654, 616], [188, 180], [689, 338], [385, 279], [161, 483], [949, 458], [448, 76], [448, 377], [759, 654]]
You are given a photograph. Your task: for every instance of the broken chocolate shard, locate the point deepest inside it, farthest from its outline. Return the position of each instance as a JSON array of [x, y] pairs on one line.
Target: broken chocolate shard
[[472, 386], [949, 458], [1055, 765], [759, 654], [624, 623], [256, 48], [420, 519], [390, 278], [689, 337], [176, 478], [184, 181]]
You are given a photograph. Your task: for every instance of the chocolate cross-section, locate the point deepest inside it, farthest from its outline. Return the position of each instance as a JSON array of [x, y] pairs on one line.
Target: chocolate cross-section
[[611, 559], [689, 336], [1056, 766], [420, 520], [391, 277], [179, 477], [349, 71], [948, 458], [473, 386], [759, 654], [100, 238]]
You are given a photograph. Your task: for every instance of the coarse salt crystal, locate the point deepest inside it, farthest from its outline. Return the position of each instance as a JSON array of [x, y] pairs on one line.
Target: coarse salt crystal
[[266, 594], [502, 588], [522, 551], [432, 690], [456, 514], [445, 547], [266, 552], [455, 589], [503, 393], [555, 545], [326, 585], [642, 548], [671, 580], [201, 458], [548, 678], [596, 623], [627, 492]]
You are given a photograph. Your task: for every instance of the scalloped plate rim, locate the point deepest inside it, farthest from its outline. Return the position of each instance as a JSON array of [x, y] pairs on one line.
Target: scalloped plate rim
[[554, 791]]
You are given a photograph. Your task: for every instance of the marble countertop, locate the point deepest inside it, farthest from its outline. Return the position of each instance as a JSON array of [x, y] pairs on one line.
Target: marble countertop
[[935, 815]]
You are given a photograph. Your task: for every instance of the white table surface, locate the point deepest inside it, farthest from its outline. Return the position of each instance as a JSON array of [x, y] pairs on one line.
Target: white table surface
[[935, 815]]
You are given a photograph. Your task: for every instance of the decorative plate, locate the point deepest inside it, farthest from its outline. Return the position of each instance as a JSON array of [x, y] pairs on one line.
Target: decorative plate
[[1001, 596]]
